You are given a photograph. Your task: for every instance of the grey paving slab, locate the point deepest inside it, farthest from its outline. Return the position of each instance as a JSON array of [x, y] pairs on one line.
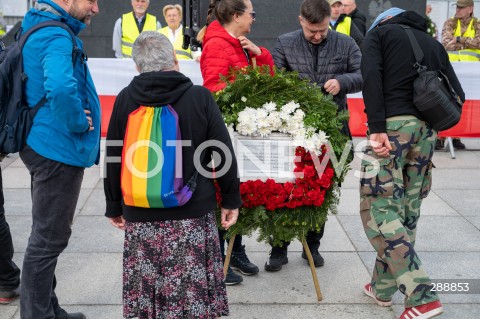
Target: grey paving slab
[[475, 221], [89, 279], [465, 202], [16, 177], [95, 205], [354, 229], [463, 159], [339, 280], [7, 312], [94, 234], [349, 202], [447, 234], [91, 177], [453, 178], [276, 311], [20, 228]]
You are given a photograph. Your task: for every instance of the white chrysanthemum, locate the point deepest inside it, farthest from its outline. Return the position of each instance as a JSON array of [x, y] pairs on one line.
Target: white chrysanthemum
[[322, 137], [299, 115], [263, 122], [284, 116], [247, 129], [264, 131], [274, 120], [270, 106], [290, 107], [261, 113], [244, 99], [246, 116]]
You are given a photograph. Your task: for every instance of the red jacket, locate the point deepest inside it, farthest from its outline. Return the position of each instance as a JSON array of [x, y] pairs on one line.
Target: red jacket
[[220, 52]]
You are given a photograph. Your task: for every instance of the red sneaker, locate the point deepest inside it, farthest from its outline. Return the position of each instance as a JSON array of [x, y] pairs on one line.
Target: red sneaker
[[368, 290], [429, 310]]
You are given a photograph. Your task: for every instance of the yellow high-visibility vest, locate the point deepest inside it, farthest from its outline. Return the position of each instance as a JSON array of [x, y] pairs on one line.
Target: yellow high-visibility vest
[[469, 55], [130, 31], [344, 26], [181, 53]]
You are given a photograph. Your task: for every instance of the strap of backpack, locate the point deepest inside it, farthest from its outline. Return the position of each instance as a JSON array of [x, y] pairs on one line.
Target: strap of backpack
[[417, 51], [75, 52]]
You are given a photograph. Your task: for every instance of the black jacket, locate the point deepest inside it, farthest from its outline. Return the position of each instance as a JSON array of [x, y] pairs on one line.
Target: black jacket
[[199, 119], [359, 20], [388, 72], [355, 33], [338, 58]]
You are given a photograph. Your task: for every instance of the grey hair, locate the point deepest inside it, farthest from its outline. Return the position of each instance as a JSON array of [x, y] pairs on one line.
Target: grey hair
[[153, 51]]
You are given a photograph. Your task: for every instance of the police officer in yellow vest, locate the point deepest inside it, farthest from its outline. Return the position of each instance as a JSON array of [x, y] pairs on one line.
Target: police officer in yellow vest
[[174, 32], [459, 36], [130, 25], [342, 23], [460, 39]]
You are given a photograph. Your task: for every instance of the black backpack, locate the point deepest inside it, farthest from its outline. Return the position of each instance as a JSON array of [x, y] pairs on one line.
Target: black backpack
[[16, 117]]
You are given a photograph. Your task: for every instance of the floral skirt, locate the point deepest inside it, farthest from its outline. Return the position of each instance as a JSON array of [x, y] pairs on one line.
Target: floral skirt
[[173, 269]]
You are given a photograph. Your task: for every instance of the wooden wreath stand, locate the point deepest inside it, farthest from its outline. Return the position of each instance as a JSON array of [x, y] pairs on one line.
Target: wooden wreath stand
[[307, 252]]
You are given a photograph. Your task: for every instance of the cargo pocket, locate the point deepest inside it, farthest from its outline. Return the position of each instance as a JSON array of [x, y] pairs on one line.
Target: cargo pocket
[[427, 181], [377, 178]]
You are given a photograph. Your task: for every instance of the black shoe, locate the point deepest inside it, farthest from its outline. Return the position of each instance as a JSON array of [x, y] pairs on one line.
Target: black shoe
[[8, 296], [317, 258], [457, 144], [276, 260], [232, 278], [241, 263], [62, 314], [439, 145]]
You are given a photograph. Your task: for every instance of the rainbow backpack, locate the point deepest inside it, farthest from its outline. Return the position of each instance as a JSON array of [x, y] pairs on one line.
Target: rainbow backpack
[[151, 174]]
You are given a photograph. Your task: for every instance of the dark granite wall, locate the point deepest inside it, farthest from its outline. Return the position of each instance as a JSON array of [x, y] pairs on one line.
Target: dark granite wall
[[274, 17]]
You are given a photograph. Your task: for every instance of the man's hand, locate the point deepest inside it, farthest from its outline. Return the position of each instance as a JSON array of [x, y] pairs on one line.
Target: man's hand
[[229, 217], [118, 222], [332, 86], [380, 144], [89, 119]]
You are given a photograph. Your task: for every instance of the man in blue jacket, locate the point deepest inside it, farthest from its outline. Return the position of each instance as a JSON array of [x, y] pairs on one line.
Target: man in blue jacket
[[63, 141]]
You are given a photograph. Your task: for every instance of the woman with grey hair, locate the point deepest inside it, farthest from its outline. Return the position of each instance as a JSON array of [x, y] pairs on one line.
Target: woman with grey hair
[[172, 266]]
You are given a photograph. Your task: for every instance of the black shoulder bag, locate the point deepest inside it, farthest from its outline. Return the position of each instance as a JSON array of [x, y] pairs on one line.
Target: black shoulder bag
[[433, 95]]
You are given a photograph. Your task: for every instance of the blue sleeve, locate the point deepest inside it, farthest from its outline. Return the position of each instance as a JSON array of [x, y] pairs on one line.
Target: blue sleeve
[[60, 84]]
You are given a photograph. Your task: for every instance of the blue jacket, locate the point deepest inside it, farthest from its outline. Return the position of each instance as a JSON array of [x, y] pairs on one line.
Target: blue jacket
[[60, 129]]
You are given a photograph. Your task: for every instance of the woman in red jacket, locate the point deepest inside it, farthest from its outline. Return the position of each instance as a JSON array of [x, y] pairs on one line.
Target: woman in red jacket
[[224, 46]]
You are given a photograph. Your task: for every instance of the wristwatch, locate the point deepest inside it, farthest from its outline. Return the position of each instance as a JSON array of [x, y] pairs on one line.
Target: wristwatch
[[458, 39]]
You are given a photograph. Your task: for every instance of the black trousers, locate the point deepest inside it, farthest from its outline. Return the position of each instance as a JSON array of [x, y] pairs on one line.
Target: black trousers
[[312, 239], [9, 272], [55, 191]]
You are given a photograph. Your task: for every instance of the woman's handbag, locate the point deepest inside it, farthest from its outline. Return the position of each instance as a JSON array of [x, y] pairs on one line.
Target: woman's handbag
[[433, 95]]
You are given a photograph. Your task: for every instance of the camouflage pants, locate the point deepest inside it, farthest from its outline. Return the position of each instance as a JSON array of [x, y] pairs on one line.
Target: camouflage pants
[[391, 190]]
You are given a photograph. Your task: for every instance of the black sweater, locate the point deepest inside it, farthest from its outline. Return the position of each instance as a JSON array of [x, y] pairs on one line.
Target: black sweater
[[388, 72], [199, 119]]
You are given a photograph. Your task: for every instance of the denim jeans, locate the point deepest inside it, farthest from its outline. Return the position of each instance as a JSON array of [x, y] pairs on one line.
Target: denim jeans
[[9, 272], [55, 191]]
